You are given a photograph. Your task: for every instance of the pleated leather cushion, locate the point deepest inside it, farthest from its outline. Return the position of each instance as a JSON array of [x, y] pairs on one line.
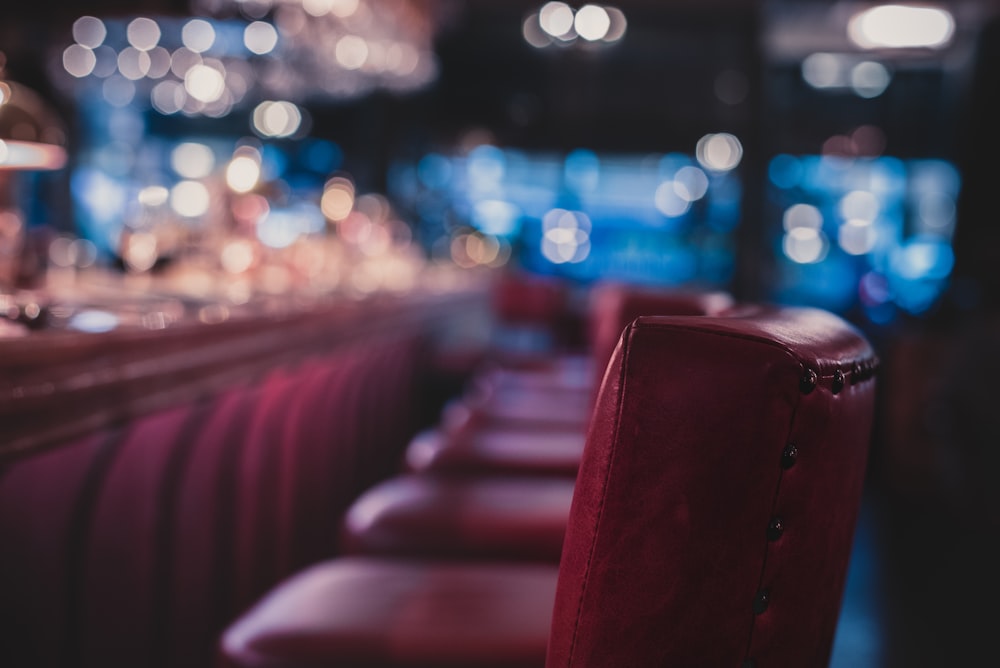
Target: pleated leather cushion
[[467, 518], [369, 613], [498, 450]]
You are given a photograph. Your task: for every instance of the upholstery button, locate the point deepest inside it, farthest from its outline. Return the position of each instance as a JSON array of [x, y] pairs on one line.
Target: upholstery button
[[789, 456], [838, 381], [761, 601], [775, 529], [808, 381]]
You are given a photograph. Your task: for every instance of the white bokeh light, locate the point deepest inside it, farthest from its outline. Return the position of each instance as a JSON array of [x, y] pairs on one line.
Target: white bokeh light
[[277, 119], [804, 216], [351, 52], [78, 60], [243, 173], [143, 33], [198, 35], [204, 83], [857, 237], [89, 31], [190, 199], [556, 19], [592, 22], [260, 37], [902, 26], [192, 160], [805, 245], [720, 152]]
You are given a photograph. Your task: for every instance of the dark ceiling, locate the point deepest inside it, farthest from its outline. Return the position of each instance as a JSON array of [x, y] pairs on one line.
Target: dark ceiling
[[655, 91]]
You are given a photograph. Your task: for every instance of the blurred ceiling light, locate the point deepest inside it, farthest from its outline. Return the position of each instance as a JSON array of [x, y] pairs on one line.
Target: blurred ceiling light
[[168, 97], [79, 60], [198, 35], [556, 18], [133, 63], [351, 52], [618, 24], [338, 48], [533, 33], [260, 37], [557, 22], [592, 22], [312, 49], [89, 31], [204, 83], [720, 152], [902, 26], [276, 119], [143, 33]]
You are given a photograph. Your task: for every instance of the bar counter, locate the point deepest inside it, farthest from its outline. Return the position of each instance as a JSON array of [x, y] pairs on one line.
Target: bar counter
[[58, 382], [159, 477]]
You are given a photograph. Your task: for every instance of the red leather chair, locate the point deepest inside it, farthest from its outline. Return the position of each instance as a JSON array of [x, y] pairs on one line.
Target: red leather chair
[[711, 524]]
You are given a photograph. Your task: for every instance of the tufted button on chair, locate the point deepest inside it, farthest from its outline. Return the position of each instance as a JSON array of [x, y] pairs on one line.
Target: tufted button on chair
[[711, 524]]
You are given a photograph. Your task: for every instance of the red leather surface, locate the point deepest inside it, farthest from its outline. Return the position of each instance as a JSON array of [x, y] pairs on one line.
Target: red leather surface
[[614, 305], [469, 518], [497, 450], [364, 613], [667, 547], [39, 559], [136, 546]]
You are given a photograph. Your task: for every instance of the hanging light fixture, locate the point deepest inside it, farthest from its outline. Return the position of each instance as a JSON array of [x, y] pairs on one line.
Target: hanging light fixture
[[31, 137], [334, 48]]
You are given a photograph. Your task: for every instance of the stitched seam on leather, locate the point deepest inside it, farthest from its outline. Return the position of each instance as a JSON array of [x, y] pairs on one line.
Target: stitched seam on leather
[[758, 339], [767, 543], [626, 351]]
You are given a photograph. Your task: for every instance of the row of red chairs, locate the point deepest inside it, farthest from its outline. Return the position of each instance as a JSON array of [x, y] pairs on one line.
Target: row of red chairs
[[685, 497]]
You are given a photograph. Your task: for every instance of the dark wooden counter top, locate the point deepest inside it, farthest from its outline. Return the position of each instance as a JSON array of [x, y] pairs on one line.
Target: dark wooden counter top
[[58, 384]]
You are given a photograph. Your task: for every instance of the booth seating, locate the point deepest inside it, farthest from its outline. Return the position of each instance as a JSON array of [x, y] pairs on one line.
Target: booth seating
[[711, 524], [137, 543]]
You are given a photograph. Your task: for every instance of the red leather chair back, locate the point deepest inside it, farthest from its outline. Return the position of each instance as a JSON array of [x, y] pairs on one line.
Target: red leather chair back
[[718, 492], [615, 305]]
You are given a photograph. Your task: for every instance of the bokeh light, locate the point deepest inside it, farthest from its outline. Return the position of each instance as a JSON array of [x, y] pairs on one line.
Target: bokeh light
[[192, 160], [720, 152], [89, 31], [190, 199]]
